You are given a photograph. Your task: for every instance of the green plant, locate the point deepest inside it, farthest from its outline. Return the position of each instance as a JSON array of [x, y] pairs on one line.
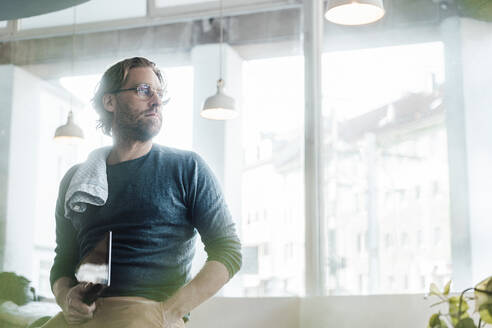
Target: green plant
[[457, 315]]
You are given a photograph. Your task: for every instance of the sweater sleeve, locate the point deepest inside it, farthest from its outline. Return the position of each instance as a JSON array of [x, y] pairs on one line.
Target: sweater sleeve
[[211, 217], [66, 251]]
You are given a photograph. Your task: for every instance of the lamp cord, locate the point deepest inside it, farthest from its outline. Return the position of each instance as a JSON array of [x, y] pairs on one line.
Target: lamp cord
[[221, 39], [12, 28], [73, 53], [11, 45]]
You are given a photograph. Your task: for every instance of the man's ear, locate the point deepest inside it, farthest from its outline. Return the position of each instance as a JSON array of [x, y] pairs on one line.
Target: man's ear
[[109, 102]]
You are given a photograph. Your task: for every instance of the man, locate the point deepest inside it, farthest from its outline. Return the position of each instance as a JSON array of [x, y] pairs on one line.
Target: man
[[158, 197]]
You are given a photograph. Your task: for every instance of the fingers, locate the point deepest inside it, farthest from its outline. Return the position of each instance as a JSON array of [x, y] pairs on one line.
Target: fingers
[[92, 307], [76, 318], [75, 311], [76, 305], [79, 313]]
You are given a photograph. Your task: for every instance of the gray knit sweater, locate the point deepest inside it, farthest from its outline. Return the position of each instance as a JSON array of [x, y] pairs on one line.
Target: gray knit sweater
[[156, 205]]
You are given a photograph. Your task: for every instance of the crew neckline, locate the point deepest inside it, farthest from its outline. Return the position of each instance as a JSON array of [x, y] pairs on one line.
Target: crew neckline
[[132, 160]]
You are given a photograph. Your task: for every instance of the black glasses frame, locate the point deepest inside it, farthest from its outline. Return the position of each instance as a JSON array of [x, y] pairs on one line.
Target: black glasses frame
[[145, 91]]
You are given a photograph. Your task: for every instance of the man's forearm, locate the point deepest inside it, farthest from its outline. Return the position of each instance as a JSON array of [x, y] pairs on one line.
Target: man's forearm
[[206, 283], [61, 288]]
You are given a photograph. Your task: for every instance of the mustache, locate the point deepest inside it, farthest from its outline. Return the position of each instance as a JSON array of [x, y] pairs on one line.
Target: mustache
[[153, 110]]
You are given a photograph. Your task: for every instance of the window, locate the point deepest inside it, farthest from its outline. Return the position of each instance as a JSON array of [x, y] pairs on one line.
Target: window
[[384, 131], [288, 251], [420, 240], [50, 169], [404, 239], [437, 236], [417, 192], [387, 240], [265, 250], [250, 262], [359, 243], [272, 179]]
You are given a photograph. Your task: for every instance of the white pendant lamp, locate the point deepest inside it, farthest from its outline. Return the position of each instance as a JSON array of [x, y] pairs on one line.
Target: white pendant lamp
[[70, 132], [354, 12], [219, 106]]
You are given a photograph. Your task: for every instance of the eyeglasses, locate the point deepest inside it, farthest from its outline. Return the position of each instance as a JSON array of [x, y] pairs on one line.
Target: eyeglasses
[[146, 92]]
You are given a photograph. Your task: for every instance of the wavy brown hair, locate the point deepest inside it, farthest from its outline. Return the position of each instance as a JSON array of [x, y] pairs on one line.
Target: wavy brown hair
[[113, 79]]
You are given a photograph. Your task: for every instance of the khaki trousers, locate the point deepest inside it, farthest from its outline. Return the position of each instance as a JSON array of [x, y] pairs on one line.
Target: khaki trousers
[[120, 312]]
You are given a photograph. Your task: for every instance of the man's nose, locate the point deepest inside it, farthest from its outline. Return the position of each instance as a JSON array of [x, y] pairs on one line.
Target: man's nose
[[155, 100]]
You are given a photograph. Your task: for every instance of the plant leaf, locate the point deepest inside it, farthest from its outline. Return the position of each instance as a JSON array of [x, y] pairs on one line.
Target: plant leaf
[[483, 300], [438, 303], [485, 312], [436, 322], [454, 304], [434, 290], [466, 323], [447, 288]]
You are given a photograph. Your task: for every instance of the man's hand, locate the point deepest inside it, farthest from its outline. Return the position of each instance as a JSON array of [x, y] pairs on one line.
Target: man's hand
[[70, 300], [74, 310], [171, 320], [205, 284]]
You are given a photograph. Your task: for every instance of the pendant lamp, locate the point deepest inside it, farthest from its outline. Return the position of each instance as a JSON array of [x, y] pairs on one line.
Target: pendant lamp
[[220, 106], [354, 12], [70, 131]]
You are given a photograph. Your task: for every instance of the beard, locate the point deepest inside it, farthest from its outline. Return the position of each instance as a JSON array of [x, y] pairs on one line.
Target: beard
[[136, 126]]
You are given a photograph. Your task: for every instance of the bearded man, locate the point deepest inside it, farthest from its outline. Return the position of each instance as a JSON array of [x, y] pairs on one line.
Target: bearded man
[[155, 200]]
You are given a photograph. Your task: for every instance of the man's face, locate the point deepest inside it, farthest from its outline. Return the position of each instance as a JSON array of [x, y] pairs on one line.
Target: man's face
[[138, 118]]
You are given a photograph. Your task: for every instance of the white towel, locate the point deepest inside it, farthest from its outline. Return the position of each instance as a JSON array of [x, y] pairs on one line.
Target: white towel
[[89, 184]]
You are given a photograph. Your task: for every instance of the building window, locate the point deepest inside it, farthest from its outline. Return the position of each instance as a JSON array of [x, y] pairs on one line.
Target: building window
[[381, 123]]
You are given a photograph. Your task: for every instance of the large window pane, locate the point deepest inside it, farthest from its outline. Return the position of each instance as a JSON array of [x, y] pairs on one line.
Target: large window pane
[[386, 185], [272, 180]]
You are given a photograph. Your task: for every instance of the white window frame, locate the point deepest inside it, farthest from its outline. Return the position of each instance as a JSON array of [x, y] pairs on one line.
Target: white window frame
[[154, 16], [212, 9]]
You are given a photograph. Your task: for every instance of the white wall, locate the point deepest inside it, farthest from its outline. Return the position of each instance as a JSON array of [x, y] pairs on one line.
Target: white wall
[[383, 311], [246, 313]]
